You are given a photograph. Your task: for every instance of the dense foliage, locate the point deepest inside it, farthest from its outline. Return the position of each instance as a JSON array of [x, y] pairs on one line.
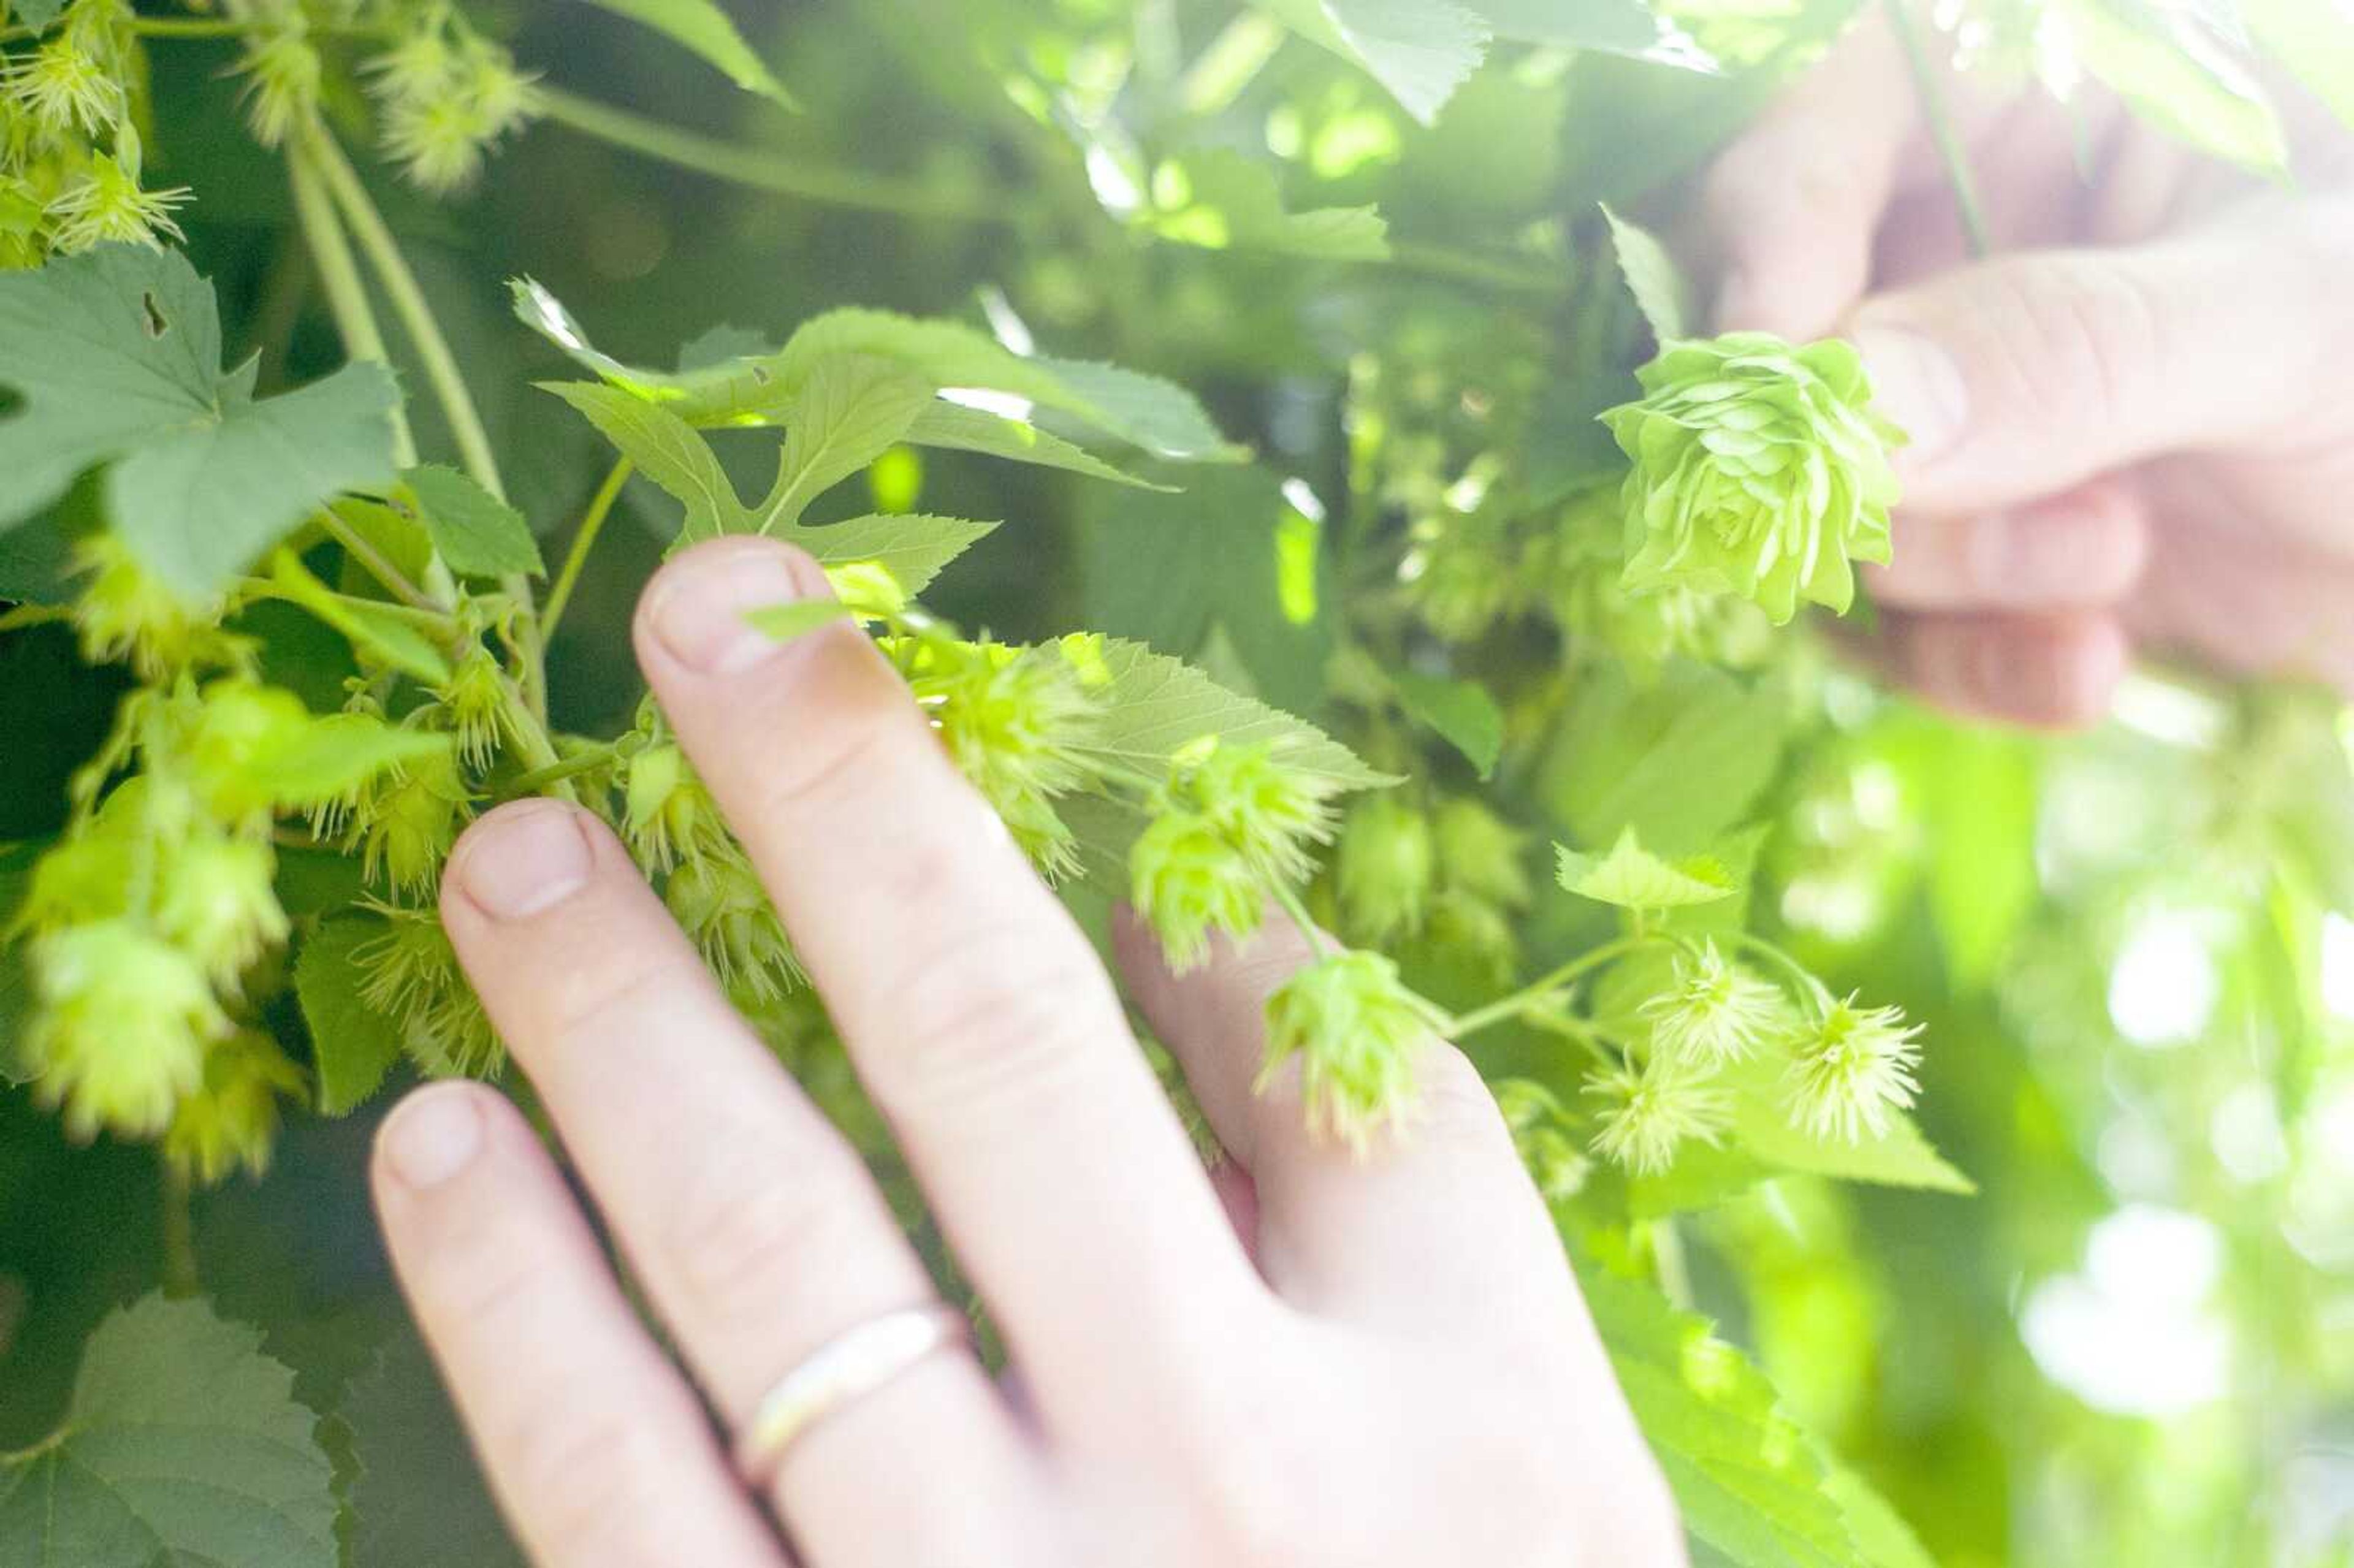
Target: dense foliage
[[1394, 549]]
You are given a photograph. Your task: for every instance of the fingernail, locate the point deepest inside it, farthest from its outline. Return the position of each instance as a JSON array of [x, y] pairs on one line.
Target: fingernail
[[699, 605], [433, 1135], [523, 861], [1917, 384]]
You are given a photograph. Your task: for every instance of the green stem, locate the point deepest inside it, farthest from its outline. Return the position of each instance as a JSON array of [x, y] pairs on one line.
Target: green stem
[[372, 561], [592, 523], [179, 1227], [1939, 113], [529, 732], [1521, 1001], [1817, 994], [796, 176], [586, 760], [33, 615], [339, 275], [1668, 1257], [1289, 901]]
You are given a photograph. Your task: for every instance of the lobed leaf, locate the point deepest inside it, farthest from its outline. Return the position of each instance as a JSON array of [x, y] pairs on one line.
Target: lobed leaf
[[353, 1046], [1631, 877], [952, 426], [477, 535]]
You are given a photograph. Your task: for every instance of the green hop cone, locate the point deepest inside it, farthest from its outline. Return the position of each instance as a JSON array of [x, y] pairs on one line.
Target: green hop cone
[[1357, 1033], [231, 1121], [1760, 470], [475, 704], [1015, 721], [1853, 1072], [1385, 867], [717, 899], [1713, 1011], [126, 612], [1187, 881], [1482, 854], [1645, 1116], [408, 821], [124, 1020], [218, 905], [1269, 812]]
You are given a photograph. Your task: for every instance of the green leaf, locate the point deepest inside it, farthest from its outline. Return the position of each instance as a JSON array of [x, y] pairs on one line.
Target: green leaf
[[1661, 290], [852, 409], [374, 628], [352, 1044], [1751, 1486], [1220, 200], [1156, 706], [913, 547], [1880, 1533], [702, 27], [1460, 713], [2313, 38], [477, 535], [1421, 51], [418, 1500], [1900, 1157], [2171, 65], [183, 1444], [1680, 761], [667, 450], [1631, 877], [1978, 787], [952, 426], [36, 13], [786, 621], [1613, 27], [116, 355], [329, 756]]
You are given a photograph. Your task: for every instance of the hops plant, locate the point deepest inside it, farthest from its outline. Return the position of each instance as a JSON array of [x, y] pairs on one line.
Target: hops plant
[[1357, 1033]]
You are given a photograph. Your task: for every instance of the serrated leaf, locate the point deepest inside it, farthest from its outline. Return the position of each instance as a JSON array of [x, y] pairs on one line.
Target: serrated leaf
[[477, 535], [116, 355], [1460, 713], [852, 409], [1751, 1484], [1220, 200], [666, 449], [1661, 290], [183, 1444], [418, 1500], [786, 621], [702, 27], [1421, 51], [1155, 707], [1880, 1534], [352, 1044], [1631, 877], [914, 547], [952, 426], [372, 628]]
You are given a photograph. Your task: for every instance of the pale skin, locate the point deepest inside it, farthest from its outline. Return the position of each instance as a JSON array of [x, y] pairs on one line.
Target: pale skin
[[2138, 431], [1312, 1359]]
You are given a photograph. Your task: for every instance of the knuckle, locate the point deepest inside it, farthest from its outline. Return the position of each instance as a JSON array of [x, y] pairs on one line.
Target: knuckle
[[483, 1275], [997, 1019], [2088, 338], [745, 1227]]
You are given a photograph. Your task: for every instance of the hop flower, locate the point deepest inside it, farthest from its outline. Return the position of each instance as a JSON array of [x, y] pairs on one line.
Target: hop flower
[[1187, 880], [1591, 601], [127, 612], [281, 89], [1647, 1113], [667, 813], [500, 95], [1760, 470], [446, 107], [1014, 720], [120, 1036], [1357, 1031], [1384, 869], [1853, 1072], [231, 1119], [717, 899], [1482, 855], [409, 818], [239, 722], [1713, 1011], [475, 701], [410, 974], [1269, 812], [420, 66], [438, 141], [218, 903], [107, 206], [63, 89], [1540, 1134]]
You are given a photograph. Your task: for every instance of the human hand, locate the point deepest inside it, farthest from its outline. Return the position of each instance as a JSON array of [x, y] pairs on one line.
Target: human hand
[[2134, 425], [1359, 1362]]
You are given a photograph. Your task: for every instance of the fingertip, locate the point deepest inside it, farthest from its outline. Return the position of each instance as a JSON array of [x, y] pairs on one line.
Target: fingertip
[[691, 619], [520, 860], [2055, 672], [432, 1138]]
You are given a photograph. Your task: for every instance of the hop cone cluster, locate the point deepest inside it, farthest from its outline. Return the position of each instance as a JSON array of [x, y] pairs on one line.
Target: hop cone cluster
[[1357, 1031], [71, 161], [1759, 470]]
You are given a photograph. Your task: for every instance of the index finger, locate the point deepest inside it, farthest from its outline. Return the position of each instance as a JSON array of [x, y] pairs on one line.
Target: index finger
[[974, 1010]]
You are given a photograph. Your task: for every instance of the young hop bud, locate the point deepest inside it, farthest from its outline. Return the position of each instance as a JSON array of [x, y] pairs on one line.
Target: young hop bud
[[1647, 1113], [1760, 470], [1384, 869], [1853, 1072], [1186, 880], [217, 905], [408, 821], [120, 1034], [438, 141], [64, 88], [1541, 1135], [475, 700], [281, 89], [231, 1119], [126, 612], [1358, 1033], [420, 65], [1014, 720], [106, 205], [668, 816], [1713, 1012], [716, 899], [500, 95], [1482, 854], [1269, 811]]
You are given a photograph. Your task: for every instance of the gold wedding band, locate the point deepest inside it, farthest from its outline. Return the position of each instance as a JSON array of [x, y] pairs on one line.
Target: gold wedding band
[[839, 1374]]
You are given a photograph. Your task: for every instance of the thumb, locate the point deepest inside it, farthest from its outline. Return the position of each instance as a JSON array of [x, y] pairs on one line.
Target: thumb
[[2027, 375]]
